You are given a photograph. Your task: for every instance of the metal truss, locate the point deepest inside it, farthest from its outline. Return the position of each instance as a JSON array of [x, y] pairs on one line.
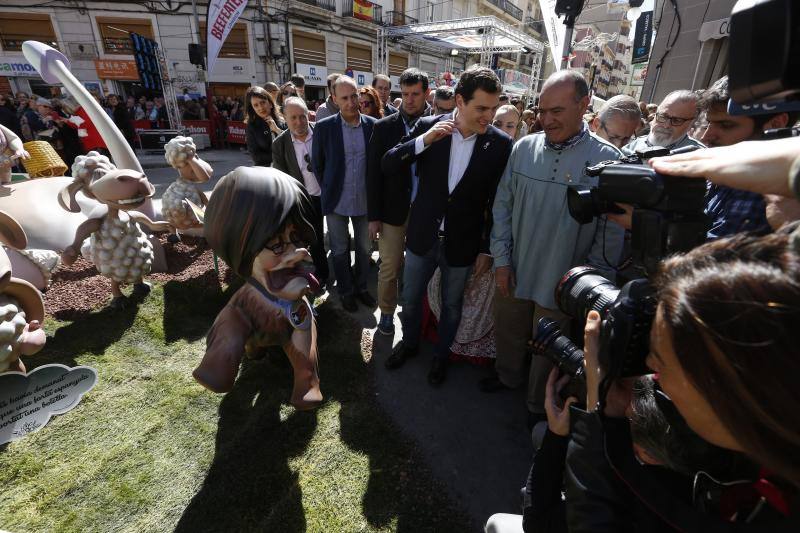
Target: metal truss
[[496, 37]]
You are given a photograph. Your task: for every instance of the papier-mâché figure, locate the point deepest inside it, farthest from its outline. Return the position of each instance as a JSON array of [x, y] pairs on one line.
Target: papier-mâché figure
[[254, 222], [21, 306], [118, 247], [10, 150], [181, 154]]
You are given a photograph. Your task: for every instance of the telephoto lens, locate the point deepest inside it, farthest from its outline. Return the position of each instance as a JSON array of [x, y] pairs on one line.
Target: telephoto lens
[[582, 289], [550, 343]]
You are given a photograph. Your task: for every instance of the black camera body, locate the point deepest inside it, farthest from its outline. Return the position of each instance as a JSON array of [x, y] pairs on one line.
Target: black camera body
[[627, 315], [667, 210]]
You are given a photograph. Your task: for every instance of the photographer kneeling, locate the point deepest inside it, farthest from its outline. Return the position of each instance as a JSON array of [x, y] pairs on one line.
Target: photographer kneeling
[[723, 351]]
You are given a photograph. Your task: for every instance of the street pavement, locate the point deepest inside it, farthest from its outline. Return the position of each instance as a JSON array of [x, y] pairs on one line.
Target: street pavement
[[477, 444]]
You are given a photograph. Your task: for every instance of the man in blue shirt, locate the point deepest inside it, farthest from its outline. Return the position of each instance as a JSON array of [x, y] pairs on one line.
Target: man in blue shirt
[[731, 210]]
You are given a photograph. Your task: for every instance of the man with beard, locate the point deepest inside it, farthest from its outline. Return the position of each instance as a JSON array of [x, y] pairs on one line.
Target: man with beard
[[389, 194], [670, 126], [730, 210]]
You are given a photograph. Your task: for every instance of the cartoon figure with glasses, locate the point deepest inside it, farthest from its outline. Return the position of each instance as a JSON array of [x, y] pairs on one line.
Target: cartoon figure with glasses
[[255, 222]]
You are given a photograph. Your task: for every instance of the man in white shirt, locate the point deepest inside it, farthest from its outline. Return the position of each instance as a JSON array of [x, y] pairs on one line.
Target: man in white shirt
[[459, 158], [291, 153]]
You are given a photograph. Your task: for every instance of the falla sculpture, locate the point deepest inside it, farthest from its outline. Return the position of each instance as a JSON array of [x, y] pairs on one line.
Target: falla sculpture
[[21, 305], [180, 196], [254, 221]]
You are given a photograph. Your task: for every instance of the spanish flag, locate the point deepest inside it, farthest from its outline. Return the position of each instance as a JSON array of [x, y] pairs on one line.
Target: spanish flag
[[363, 9]]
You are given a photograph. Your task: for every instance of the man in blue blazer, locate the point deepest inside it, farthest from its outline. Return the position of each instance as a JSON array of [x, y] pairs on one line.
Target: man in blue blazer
[[339, 159], [459, 159]]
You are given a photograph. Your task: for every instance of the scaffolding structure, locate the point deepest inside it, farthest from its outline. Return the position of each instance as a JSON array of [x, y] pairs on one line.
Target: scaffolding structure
[[486, 36]]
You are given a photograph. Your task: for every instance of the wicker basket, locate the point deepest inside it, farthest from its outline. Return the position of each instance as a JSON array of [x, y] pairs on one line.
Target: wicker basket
[[44, 162]]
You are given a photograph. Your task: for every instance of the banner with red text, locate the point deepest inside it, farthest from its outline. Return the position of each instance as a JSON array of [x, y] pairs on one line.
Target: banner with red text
[[237, 132], [222, 15]]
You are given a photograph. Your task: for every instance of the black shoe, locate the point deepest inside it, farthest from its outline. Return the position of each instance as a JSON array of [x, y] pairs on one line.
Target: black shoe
[[400, 353], [367, 299], [349, 303], [492, 384], [437, 372]]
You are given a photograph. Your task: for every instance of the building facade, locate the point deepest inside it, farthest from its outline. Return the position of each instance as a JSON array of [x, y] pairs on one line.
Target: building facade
[[269, 42], [690, 54]]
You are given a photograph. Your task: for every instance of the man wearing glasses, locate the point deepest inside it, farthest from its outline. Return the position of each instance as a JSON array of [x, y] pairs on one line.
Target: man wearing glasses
[[670, 127], [291, 153], [618, 120]]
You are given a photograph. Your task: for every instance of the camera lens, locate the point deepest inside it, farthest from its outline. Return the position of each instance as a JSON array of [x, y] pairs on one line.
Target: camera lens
[[550, 343], [583, 289]]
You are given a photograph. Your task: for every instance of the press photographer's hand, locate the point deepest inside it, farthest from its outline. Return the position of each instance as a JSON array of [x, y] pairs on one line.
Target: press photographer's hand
[[557, 414], [757, 166]]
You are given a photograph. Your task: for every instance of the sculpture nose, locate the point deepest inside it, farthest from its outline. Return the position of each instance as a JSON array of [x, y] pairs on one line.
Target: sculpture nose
[[5, 269]]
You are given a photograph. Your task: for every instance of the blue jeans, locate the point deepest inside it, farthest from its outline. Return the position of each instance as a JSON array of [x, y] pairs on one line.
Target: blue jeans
[[417, 273], [348, 282]]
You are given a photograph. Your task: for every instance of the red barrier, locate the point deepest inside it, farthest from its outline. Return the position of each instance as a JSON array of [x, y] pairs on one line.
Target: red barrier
[[237, 132], [198, 127]]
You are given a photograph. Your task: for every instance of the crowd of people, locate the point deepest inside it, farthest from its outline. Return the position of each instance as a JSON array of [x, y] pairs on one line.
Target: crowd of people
[[464, 190]]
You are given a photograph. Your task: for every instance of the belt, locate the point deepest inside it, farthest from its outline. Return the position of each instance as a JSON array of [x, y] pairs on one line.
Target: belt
[[440, 234]]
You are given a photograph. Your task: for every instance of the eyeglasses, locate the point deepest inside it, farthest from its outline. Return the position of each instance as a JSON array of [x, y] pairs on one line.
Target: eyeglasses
[[288, 93], [614, 139], [307, 159], [280, 247], [367, 103], [673, 121]]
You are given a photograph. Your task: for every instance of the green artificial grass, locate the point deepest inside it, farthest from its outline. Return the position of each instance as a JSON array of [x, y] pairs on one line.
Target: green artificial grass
[[148, 449]]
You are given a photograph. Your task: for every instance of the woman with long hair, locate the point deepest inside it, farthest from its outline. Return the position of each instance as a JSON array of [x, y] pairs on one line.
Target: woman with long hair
[[507, 119], [370, 102], [263, 121], [287, 89]]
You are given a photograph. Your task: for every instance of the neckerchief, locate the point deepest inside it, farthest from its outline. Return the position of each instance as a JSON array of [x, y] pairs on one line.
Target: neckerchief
[[299, 318], [569, 143]]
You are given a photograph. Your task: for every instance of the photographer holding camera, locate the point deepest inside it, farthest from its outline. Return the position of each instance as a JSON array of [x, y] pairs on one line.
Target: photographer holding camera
[[534, 239], [723, 350]]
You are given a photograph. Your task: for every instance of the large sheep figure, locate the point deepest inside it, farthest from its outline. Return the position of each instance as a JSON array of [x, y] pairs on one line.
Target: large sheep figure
[[181, 154], [118, 247]]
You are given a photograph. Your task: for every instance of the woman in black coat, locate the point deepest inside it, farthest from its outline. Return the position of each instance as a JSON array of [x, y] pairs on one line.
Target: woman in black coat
[[264, 123], [121, 117]]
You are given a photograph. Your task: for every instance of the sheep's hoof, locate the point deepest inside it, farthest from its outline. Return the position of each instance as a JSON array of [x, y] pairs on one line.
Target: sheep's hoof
[[141, 289], [173, 238], [118, 303]]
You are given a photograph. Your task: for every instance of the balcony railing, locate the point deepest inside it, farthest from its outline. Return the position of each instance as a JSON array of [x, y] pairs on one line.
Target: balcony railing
[[329, 5], [535, 25], [376, 15], [396, 18], [508, 7]]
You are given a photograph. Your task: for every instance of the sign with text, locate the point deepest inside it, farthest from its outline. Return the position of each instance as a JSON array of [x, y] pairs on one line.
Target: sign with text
[[315, 75], [197, 127], [556, 30], [363, 79], [116, 69], [16, 66], [715, 29], [222, 15], [643, 37], [237, 132], [28, 401]]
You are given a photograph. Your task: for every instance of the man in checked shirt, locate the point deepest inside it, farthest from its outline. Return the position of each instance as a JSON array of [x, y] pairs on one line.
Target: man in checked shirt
[[731, 210]]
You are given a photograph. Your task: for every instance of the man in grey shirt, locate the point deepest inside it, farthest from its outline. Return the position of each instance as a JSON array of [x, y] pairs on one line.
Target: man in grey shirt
[[670, 127], [534, 240], [328, 108]]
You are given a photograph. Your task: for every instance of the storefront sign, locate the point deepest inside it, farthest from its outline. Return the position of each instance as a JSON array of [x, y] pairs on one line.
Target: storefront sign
[[237, 132], [232, 71], [715, 29], [315, 75], [116, 69], [395, 84], [222, 16], [362, 78], [642, 37], [16, 66]]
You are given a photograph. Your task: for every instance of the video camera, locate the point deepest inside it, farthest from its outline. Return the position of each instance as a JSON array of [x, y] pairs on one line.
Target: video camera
[[667, 210]]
